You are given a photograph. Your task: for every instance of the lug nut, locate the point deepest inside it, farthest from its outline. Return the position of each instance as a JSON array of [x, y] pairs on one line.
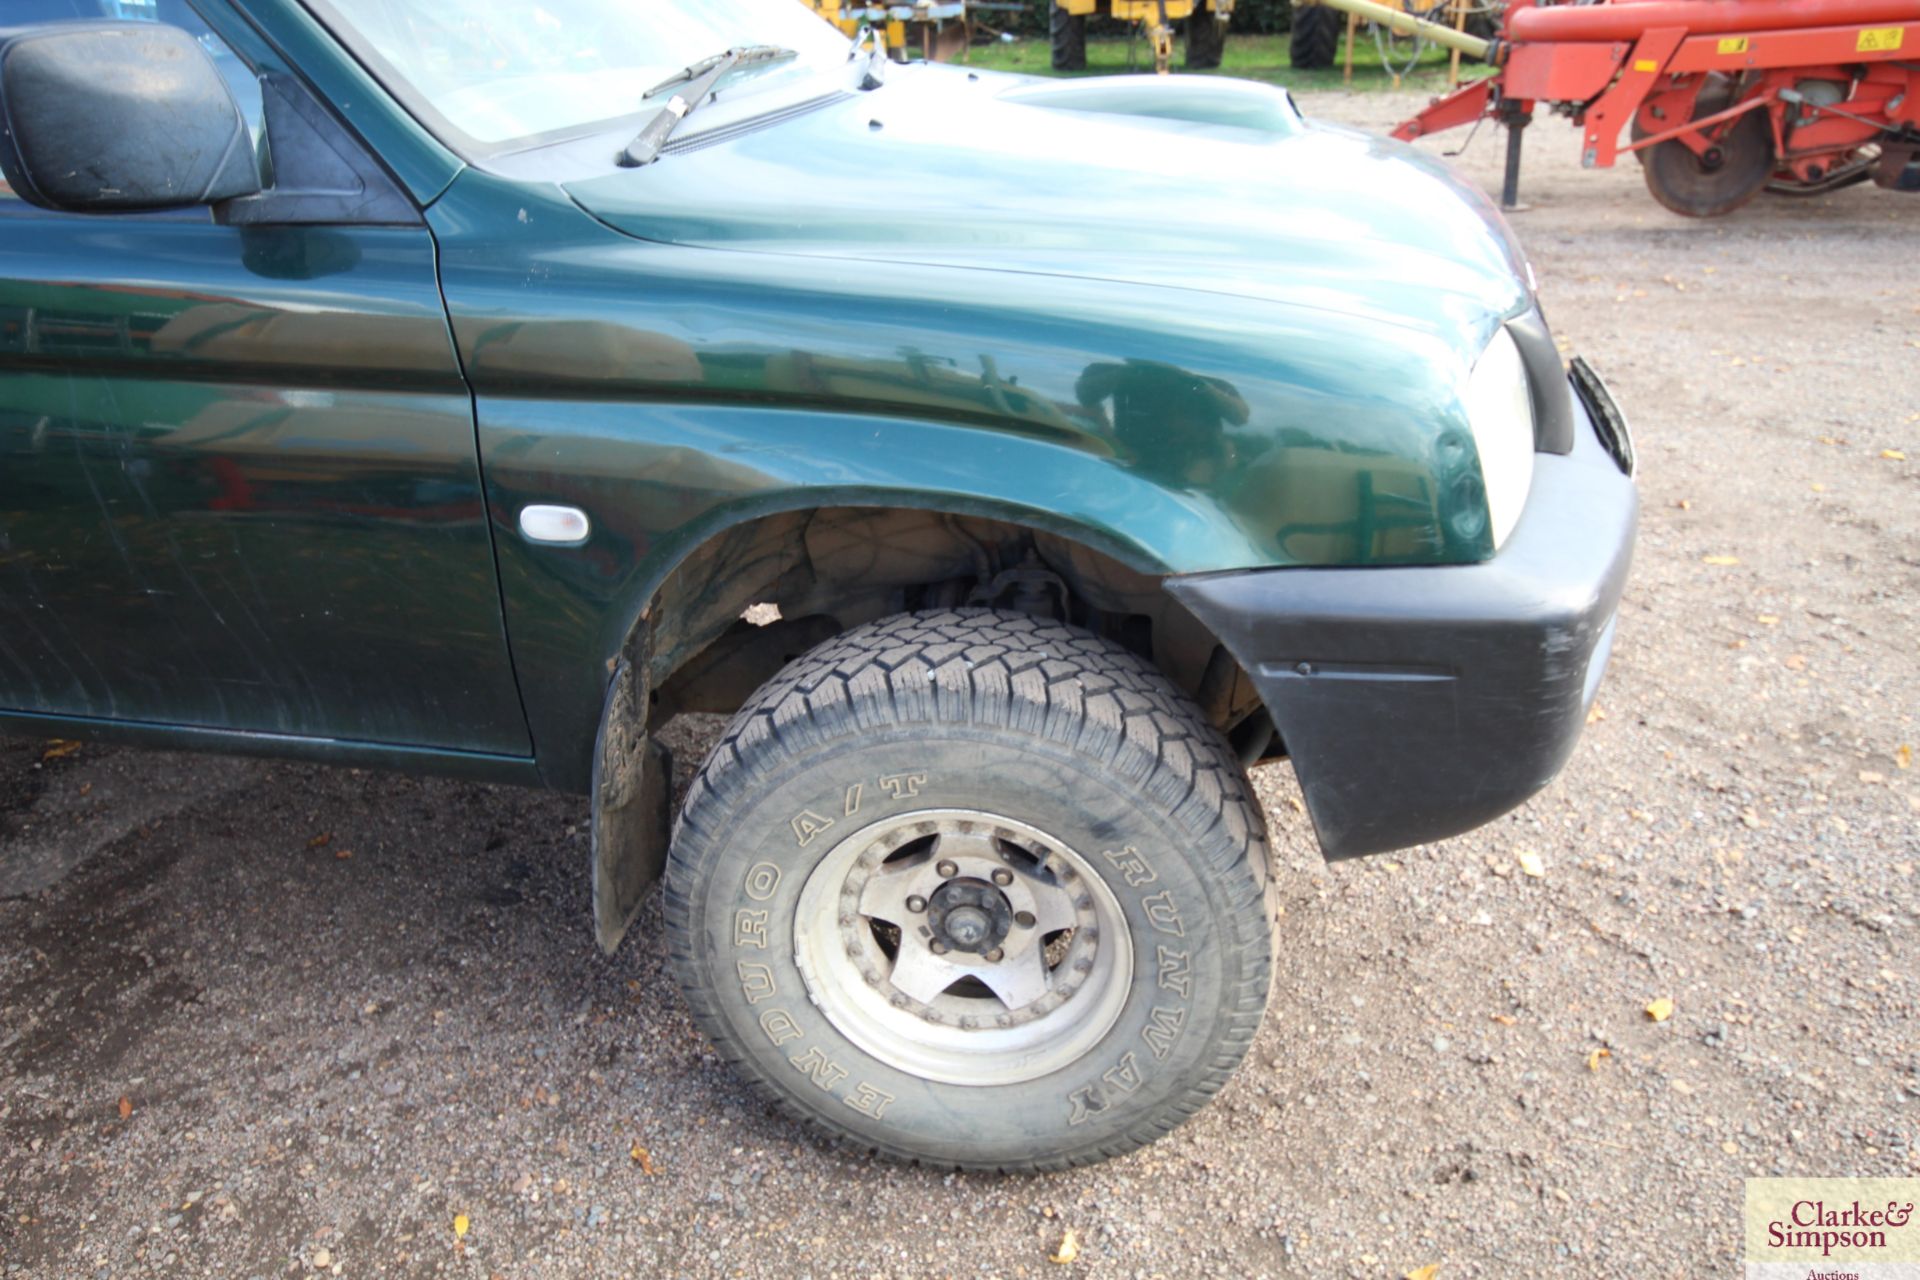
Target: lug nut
[[996, 955], [1003, 877], [947, 870], [938, 947], [1024, 919], [916, 903]]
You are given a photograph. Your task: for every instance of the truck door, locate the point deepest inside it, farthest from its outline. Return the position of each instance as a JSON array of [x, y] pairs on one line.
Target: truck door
[[239, 486]]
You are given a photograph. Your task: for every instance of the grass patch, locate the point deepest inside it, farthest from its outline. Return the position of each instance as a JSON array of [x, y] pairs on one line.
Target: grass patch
[[1249, 57]]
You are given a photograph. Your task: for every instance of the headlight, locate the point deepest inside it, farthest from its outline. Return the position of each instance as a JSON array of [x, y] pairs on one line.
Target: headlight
[[1500, 411]]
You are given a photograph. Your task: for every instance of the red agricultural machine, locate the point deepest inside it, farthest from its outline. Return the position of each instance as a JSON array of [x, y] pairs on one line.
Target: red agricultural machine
[[1720, 99]]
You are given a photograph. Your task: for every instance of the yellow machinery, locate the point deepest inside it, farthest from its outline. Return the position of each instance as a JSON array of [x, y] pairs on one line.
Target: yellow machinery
[[938, 28], [1206, 29]]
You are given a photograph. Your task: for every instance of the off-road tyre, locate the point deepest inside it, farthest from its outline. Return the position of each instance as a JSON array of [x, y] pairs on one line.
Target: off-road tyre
[[1206, 40], [1314, 43], [1069, 40], [1035, 722]]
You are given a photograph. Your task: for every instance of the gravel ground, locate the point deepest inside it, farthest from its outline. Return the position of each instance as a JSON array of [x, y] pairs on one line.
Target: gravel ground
[[264, 1020]]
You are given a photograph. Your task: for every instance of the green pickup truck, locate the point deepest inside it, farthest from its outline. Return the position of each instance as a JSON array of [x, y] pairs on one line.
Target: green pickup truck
[[473, 388]]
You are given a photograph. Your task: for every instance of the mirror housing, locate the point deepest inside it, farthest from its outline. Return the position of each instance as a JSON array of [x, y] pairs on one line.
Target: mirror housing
[[119, 117]]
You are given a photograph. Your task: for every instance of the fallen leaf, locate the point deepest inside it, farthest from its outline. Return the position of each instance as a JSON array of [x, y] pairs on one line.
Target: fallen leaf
[[1903, 756], [321, 840], [1596, 713], [59, 749], [460, 1226], [1660, 1010], [642, 1157], [1427, 1272], [1893, 455], [342, 855], [126, 1106], [1530, 863], [1768, 620], [1505, 1019], [1593, 1059], [1720, 560], [1069, 1249]]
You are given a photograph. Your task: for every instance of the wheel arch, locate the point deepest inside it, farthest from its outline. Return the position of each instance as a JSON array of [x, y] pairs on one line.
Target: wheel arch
[[744, 595]]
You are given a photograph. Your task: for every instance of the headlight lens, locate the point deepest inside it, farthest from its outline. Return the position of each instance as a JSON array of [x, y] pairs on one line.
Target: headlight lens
[[1500, 411]]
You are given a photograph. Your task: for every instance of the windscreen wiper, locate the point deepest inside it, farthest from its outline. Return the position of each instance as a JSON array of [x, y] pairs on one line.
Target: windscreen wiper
[[871, 39], [699, 79]]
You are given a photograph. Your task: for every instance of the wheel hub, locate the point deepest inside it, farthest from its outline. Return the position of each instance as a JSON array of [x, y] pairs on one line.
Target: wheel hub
[[969, 916], [963, 947]]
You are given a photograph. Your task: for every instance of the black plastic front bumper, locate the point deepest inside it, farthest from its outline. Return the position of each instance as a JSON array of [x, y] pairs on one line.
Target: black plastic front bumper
[[1421, 702]]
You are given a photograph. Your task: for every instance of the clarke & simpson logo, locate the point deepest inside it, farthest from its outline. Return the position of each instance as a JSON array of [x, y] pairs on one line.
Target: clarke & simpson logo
[[1832, 1229]]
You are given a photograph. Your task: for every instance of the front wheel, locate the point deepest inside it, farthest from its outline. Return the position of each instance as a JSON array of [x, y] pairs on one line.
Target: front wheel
[[977, 890]]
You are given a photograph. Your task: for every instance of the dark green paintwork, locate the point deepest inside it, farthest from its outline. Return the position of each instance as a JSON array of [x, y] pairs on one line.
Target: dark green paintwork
[[1177, 324], [246, 497]]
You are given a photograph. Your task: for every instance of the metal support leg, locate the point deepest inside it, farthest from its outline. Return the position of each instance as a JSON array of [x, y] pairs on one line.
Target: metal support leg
[[1516, 122]]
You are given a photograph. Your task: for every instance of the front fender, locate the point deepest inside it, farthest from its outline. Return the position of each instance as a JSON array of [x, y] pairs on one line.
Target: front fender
[[673, 393], [661, 483]]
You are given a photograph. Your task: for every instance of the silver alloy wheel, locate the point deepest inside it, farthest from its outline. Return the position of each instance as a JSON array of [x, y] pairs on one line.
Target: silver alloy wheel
[[963, 947]]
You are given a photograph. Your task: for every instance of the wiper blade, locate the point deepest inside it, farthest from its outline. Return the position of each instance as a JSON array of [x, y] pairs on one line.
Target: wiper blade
[[699, 79], [874, 42]]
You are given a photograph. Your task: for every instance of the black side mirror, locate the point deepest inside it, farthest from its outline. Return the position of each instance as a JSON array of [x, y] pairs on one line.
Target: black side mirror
[[117, 117]]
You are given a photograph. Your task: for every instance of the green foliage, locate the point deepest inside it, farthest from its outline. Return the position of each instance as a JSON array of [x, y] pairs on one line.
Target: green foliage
[[1262, 15]]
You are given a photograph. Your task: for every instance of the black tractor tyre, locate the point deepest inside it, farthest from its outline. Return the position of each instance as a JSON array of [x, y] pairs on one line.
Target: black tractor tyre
[[969, 749], [1069, 40], [1206, 40], [1315, 42]]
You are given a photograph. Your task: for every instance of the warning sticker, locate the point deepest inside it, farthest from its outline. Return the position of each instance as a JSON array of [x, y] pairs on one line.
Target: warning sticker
[[1880, 39], [1732, 44]]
